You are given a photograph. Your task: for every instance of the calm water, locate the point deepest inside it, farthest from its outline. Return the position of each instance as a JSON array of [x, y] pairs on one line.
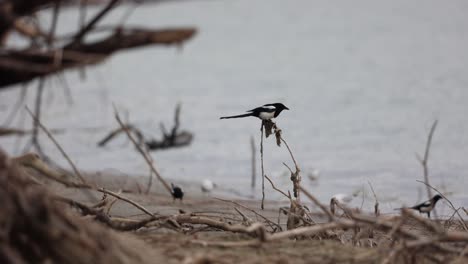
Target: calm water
[[364, 81]]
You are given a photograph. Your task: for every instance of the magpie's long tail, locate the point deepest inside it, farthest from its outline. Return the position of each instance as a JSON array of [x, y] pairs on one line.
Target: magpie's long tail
[[413, 208], [236, 116]]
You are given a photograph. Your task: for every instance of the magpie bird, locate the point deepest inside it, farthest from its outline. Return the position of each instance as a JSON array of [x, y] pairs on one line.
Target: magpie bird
[[265, 112], [427, 206], [177, 192]]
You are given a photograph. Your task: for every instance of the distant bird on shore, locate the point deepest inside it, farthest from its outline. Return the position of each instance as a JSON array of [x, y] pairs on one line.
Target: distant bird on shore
[[207, 186], [177, 192], [339, 199], [265, 112], [425, 207]]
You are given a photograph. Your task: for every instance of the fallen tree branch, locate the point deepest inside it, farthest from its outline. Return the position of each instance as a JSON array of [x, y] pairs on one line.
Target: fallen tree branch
[[35, 229], [271, 223], [17, 66], [32, 160]]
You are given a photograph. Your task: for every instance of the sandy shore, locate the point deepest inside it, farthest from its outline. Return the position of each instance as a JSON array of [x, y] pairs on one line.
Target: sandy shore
[[168, 246], [176, 235]]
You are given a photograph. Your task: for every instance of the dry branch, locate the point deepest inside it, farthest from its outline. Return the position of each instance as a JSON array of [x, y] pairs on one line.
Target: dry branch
[[425, 159], [376, 204], [32, 160], [271, 223], [35, 229], [261, 162], [64, 154], [18, 66], [116, 132], [145, 155], [174, 139], [276, 189], [331, 217], [254, 166]]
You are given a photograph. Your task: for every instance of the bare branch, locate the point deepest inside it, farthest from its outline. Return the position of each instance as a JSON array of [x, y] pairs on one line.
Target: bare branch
[[145, 155], [263, 171], [276, 189], [331, 217], [64, 154], [425, 160]]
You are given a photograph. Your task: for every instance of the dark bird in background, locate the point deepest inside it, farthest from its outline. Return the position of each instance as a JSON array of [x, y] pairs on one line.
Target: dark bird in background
[[427, 206], [177, 192], [265, 112]]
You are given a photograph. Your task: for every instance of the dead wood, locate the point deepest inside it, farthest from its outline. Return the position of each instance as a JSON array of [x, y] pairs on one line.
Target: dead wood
[[35, 229], [144, 154], [18, 66], [174, 139], [6, 131], [33, 161]]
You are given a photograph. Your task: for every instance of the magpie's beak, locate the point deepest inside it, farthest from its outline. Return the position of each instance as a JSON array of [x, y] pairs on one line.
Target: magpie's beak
[[286, 108]]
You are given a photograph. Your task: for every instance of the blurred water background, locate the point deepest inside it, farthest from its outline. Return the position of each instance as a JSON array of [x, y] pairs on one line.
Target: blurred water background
[[364, 81]]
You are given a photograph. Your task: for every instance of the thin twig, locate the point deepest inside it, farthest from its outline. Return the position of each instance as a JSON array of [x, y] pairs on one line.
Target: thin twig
[[33, 161], [143, 153], [79, 36], [425, 160], [120, 197], [254, 165], [376, 205], [17, 105], [263, 171], [295, 176], [331, 217], [290, 153], [251, 210], [51, 35], [64, 154], [276, 189], [37, 110]]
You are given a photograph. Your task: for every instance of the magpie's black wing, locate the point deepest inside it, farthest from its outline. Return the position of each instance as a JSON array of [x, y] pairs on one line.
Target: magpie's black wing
[[265, 108], [422, 205]]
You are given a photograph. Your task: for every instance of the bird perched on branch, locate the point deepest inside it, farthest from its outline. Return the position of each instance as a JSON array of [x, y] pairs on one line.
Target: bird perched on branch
[[265, 112], [177, 192], [425, 207]]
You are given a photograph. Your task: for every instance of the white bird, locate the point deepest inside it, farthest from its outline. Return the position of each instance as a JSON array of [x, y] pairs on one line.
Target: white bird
[[207, 186], [339, 200], [314, 174]]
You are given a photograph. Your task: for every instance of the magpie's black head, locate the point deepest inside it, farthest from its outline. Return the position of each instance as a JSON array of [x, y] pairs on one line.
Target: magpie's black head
[[436, 197], [280, 106]]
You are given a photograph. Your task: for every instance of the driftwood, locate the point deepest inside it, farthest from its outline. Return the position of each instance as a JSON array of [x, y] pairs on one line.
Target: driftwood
[[172, 139], [36, 229], [51, 54], [8, 131], [435, 243], [18, 66]]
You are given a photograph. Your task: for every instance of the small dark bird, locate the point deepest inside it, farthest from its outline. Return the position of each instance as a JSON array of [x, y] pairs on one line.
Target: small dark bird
[[265, 112], [177, 192], [427, 206]]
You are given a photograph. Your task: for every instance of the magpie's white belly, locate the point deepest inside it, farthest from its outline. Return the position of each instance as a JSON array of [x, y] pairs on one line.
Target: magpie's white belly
[[426, 209], [266, 115]]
